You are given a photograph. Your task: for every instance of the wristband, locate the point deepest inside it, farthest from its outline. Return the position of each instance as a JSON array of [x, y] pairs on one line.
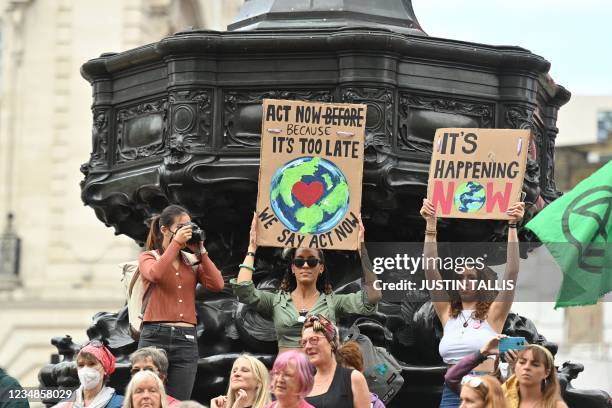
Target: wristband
[[251, 254], [249, 267], [511, 225], [431, 232], [479, 357]]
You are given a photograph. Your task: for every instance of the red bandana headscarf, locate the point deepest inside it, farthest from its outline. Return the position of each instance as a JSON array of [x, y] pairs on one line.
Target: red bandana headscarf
[[104, 356]]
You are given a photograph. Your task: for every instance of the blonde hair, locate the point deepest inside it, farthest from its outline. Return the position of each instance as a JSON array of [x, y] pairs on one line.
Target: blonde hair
[[262, 396], [551, 391], [138, 378]]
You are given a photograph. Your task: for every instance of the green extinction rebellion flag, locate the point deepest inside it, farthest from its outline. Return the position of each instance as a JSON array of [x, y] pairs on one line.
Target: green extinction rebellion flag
[[576, 229]]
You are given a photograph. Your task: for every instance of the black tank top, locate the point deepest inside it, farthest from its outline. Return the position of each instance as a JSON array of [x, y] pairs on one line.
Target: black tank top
[[339, 393]]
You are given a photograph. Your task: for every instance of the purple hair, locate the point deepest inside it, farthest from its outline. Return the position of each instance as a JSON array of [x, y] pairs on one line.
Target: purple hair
[[303, 367]]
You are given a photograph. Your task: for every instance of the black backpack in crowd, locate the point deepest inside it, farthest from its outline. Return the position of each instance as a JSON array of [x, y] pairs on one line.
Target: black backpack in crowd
[[381, 370]]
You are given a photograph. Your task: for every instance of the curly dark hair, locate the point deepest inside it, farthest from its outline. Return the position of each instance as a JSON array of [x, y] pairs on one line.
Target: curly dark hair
[[288, 283], [484, 299]]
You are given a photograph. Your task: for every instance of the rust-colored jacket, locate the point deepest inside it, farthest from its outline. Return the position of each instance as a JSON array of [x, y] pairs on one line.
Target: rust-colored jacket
[[173, 296]]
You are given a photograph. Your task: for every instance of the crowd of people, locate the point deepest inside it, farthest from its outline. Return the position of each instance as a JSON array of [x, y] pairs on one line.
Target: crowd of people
[[313, 367]]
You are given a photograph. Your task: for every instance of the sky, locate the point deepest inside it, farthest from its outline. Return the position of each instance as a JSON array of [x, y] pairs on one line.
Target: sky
[[575, 36]]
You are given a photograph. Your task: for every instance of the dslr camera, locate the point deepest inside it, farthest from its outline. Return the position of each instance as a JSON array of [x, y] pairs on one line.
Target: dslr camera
[[197, 233]]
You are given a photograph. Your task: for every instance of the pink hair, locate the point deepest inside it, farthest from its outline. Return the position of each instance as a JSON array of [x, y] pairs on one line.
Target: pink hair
[[303, 367]]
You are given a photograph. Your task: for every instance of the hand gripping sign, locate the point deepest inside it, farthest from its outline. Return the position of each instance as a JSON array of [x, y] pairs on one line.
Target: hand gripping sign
[[310, 174], [477, 173]]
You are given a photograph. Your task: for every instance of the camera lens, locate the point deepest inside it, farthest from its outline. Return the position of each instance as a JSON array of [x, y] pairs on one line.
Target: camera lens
[[197, 234]]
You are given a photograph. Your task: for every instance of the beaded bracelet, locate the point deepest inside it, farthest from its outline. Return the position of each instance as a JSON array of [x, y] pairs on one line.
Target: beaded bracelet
[[249, 267]]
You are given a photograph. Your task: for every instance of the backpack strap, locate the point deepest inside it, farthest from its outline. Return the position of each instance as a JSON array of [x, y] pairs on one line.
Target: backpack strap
[[191, 259], [149, 291], [353, 332]]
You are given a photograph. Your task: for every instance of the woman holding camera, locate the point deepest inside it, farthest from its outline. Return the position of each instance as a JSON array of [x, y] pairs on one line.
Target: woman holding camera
[[170, 317]]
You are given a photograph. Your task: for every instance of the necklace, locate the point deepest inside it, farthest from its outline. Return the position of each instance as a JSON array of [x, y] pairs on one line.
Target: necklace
[[466, 321], [303, 311], [476, 323]]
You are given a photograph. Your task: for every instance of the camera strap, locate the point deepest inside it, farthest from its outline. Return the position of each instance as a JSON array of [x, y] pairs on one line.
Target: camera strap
[[190, 258]]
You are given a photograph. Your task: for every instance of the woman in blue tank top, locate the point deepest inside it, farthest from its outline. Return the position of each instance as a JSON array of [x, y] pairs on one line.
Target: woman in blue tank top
[[475, 316]]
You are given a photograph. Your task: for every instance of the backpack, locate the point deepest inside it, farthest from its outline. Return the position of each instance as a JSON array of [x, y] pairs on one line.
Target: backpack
[[136, 295], [381, 370]]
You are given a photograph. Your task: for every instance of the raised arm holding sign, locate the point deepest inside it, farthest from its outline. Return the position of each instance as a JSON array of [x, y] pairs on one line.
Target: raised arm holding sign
[[474, 173], [309, 199]]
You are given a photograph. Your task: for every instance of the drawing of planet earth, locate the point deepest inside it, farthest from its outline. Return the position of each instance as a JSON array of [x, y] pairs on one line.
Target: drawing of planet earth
[[309, 195], [469, 197]]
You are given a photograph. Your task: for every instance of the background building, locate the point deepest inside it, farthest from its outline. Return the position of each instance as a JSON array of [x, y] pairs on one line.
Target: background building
[[68, 264], [584, 334]]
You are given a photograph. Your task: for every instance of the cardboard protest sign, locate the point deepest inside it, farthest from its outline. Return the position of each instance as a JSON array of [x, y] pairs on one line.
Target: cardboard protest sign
[[310, 174], [477, 173]]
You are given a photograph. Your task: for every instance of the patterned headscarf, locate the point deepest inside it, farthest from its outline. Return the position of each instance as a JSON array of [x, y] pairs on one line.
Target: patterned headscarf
[[323, 325], [104, 356]]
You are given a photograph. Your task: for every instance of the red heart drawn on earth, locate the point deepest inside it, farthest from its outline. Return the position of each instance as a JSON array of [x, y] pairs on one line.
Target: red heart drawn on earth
[[307, 194]]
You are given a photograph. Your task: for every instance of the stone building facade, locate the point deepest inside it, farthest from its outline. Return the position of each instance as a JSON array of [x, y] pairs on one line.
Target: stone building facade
[[68, 259]]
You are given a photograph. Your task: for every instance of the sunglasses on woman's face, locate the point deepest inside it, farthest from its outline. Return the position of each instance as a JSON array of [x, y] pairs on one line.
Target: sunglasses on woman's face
[[311, 262]]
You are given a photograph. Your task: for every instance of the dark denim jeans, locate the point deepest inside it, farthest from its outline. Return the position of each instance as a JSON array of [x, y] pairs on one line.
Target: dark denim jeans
[[182, 347], [449, 398]]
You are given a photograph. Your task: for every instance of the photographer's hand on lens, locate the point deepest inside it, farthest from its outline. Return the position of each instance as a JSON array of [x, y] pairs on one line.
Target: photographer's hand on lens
[[182, 235]]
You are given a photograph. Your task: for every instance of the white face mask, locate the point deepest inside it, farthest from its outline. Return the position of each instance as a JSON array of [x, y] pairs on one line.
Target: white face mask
[[89, 377]]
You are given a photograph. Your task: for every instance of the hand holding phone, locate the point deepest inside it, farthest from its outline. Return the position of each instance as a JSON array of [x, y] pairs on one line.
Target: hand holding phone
[[510, 343]]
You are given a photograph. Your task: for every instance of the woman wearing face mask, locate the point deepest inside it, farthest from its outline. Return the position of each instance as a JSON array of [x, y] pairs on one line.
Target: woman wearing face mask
[[304, 290], [145, 390], [334, 386], [170, 317], [95, 364], [535, 382], [248, 386], [471, 318], [291, 380]]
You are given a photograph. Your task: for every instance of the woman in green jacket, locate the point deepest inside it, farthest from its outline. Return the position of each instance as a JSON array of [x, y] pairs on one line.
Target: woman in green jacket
[[305, 290]]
